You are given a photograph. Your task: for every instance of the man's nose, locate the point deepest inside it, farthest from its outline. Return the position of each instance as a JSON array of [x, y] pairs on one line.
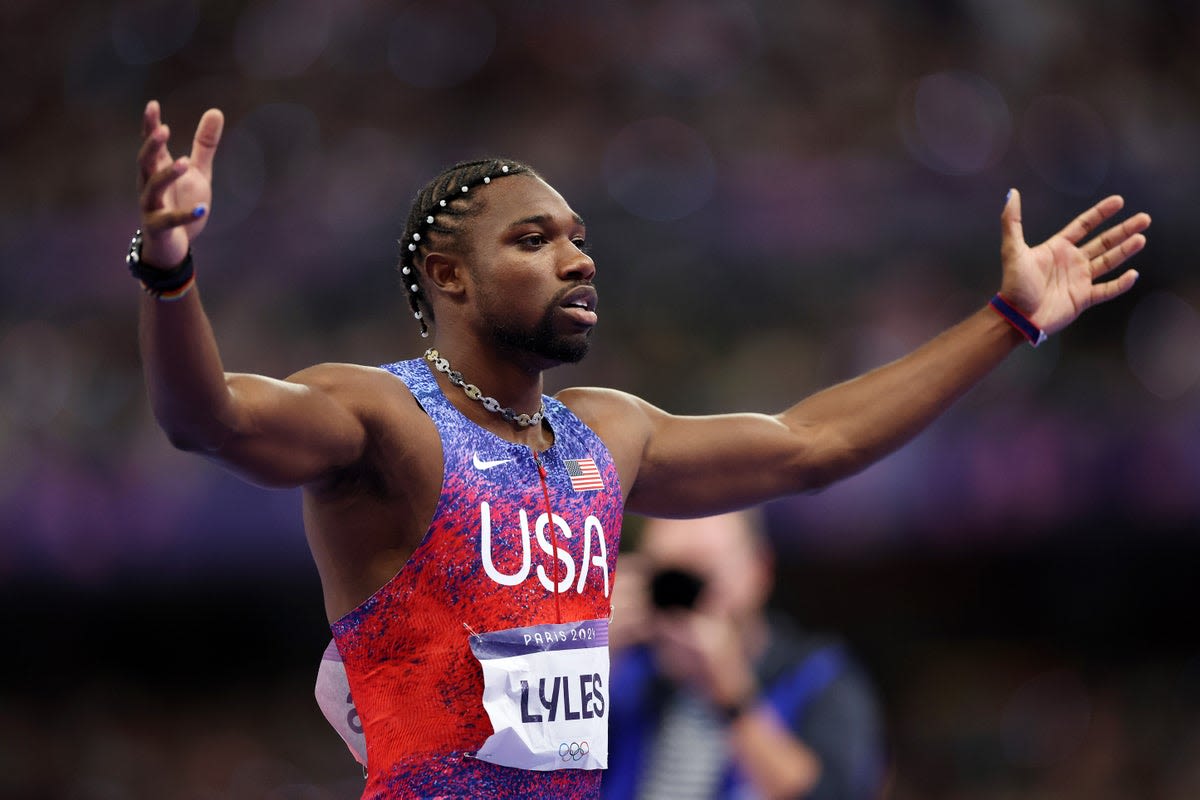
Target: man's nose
[[578, 265]]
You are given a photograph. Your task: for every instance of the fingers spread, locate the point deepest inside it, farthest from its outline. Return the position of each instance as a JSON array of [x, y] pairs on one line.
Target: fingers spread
[[1116, 234], [1103, 292], [1090, 220], [1116, 256]]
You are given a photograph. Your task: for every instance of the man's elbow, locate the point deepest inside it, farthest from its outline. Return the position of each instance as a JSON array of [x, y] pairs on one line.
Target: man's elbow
[[193, 436], [825, 462]]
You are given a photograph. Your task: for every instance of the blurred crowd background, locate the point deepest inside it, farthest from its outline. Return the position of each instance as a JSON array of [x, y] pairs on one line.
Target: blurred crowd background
[[779, 195]]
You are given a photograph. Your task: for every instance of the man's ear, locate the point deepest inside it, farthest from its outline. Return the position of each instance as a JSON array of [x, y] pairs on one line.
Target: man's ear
[[445, 274]]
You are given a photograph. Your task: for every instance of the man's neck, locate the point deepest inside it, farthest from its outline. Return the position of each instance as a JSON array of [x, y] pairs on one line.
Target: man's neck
[[516, 388]]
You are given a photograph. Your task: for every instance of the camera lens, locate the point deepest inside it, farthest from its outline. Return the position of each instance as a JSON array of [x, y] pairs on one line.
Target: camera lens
[[675, 588]]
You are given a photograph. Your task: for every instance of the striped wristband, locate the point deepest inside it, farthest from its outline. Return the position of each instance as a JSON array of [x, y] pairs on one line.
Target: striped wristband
[[1032, 332]]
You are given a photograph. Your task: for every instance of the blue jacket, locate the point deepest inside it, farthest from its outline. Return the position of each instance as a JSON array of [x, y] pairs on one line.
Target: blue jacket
[[811, 683]]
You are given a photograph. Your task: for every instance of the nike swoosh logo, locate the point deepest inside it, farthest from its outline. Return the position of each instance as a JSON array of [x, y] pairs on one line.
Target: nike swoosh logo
[[482, 465]]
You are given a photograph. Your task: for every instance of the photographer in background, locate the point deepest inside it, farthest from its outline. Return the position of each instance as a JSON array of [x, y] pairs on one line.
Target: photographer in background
[[715, 697]]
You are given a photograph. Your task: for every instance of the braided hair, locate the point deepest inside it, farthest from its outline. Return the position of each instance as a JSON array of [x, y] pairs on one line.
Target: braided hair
[[438, 212]]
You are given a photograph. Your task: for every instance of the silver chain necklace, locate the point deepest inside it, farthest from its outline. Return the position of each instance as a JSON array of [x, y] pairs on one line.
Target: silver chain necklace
[[490, 403]]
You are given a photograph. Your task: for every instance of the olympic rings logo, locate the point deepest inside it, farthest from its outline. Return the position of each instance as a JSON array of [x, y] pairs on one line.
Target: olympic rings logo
[[573, 751]]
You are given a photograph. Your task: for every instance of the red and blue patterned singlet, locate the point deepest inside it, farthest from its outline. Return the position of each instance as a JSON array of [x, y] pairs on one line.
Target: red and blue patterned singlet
[[517, 539]]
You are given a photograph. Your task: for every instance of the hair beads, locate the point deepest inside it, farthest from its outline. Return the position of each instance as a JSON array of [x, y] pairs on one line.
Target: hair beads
[[439, 210]]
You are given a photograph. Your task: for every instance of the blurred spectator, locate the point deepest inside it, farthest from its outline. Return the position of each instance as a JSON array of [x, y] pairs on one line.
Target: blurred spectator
[[714, 695]]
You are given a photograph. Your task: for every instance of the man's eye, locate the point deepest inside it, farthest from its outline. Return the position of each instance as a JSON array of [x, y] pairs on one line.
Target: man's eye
[[533, 240], [581, 243]]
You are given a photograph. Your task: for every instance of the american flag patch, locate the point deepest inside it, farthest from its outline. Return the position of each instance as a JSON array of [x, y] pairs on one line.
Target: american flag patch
[[584, 475]]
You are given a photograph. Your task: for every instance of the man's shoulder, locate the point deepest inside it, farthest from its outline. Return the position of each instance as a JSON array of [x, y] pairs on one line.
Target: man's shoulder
[[598, 402], [344, 376], [366, 389], [624, 422]]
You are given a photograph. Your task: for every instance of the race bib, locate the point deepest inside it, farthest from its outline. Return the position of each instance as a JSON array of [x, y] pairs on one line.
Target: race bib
[[545, 690]]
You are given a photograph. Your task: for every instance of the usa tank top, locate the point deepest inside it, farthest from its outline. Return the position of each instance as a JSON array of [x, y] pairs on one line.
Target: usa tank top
[[518, 538]]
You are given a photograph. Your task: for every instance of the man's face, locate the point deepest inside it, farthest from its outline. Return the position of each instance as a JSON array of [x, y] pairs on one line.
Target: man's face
[[531, 279]]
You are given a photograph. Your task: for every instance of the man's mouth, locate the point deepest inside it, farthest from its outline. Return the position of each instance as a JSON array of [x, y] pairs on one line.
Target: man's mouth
[[580, 302]]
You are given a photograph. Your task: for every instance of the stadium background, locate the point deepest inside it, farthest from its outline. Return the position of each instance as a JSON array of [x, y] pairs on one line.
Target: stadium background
[[779, 195]]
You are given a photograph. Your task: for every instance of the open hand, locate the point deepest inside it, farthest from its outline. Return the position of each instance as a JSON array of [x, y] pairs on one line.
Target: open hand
[[174, 193], [1053, 283]]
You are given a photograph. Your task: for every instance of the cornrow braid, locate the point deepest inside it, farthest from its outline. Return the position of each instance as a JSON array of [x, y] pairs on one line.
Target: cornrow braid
[[438, 211]]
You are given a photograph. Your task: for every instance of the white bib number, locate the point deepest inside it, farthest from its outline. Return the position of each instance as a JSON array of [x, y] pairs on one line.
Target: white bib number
[[545, 690]]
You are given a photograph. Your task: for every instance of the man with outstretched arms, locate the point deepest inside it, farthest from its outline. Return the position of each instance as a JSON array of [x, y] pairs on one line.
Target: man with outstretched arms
[[464, 525]]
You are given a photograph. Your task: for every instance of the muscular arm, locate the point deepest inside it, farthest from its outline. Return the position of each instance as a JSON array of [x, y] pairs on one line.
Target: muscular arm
[[691, 466], [701, 465], [274, 432]]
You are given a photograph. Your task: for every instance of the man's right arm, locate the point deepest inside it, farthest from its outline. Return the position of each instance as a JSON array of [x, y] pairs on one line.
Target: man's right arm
[[272, 432]]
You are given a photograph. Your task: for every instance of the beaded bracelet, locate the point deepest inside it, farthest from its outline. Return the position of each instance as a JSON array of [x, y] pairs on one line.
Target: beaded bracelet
[[163, 284], [1032, 332]]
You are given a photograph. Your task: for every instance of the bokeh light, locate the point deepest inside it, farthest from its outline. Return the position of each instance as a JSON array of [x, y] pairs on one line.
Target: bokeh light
[[955, 123], [1162, 344], [37, 376], [145, 31], [436, 45], [282, 38], [659, 169], [238, 181], [688, 48], [1067, 143]]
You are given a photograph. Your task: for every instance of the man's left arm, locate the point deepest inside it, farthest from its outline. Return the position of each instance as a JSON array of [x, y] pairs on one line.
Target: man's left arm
[[692, 466]]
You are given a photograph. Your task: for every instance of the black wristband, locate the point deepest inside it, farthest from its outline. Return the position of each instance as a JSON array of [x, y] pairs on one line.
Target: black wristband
[[165, 284]]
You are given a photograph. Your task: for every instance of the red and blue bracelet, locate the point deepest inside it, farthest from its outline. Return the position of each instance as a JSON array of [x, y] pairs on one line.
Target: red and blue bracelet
[[1032, 332]]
